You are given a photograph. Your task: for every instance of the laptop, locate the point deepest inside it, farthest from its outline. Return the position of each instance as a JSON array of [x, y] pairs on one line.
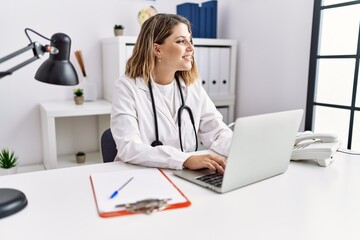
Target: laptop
[[261, 148]]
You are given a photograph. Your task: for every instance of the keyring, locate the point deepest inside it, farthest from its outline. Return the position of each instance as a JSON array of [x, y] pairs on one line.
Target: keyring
[[146, 206]]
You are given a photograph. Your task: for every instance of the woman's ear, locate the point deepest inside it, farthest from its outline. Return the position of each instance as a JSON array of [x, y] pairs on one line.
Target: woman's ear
[[157, 50]]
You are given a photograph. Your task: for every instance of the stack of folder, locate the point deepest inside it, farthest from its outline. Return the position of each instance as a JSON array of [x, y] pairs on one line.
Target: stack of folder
[[203, 18]]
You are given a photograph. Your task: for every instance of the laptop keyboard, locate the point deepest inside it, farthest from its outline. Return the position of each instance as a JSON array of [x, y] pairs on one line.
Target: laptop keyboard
[[214, 179]]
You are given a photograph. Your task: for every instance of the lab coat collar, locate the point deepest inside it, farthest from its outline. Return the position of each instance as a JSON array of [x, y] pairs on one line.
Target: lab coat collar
[[140, 83]]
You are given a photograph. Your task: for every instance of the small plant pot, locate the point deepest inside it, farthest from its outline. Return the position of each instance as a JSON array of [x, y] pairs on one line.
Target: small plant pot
[[80, 158], [118, 32], [79, 100], [8, 171]]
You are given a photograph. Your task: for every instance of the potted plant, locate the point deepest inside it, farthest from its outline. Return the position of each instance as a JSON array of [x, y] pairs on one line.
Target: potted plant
[[80, 157], [118, 29], [78, 96], [8, 161]]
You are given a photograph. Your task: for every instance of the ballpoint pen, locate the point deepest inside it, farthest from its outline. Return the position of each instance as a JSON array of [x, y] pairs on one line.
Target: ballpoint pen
[[118, 190]]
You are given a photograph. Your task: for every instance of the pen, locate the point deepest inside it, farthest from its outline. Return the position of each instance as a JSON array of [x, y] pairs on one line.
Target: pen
[[118, 190]]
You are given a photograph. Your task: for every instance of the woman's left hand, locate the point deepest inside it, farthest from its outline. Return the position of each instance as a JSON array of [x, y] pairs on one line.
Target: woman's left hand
[[211, 161]]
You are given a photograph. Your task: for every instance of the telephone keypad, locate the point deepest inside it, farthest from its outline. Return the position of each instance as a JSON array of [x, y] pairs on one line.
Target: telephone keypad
[[301, 146]]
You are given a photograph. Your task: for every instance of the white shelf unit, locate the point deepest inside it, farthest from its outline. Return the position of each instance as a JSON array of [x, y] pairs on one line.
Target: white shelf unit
[[50, 111], [215, 58]]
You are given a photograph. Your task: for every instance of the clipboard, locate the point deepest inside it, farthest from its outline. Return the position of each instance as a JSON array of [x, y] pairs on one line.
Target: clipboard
[[149, 183]]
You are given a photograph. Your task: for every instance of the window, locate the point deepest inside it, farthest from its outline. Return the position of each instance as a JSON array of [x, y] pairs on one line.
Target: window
[[333, 102]]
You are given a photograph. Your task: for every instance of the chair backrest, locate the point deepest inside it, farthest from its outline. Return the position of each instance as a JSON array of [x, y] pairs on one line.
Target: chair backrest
[[108, 146]]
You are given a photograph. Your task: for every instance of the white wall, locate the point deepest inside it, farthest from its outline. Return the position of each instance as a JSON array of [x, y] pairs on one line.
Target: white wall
[[274, 42], [274, 49]]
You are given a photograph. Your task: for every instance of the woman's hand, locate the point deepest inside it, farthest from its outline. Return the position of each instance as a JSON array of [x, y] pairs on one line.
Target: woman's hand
[[211, 161]]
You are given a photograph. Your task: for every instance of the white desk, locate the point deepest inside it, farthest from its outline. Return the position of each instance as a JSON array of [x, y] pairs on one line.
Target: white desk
[[306, 202]]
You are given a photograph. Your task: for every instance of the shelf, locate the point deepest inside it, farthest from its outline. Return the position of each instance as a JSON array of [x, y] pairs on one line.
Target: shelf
[[50, 111], [70, 109], [69, 160]]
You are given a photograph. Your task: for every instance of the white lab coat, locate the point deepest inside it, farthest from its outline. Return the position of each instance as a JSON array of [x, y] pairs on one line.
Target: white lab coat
[[133, 128]]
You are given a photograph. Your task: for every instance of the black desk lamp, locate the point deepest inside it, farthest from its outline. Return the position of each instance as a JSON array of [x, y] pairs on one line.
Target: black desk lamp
[[57, 69]]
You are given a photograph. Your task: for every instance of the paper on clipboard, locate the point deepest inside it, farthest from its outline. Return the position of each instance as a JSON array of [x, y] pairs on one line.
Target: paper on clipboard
[[146, 183]]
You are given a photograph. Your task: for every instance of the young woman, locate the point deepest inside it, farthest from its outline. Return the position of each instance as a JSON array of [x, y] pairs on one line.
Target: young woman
[[160, 110]]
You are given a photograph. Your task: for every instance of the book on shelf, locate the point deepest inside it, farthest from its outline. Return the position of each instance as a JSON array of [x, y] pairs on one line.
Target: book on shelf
[[208, 16], [191, 12]]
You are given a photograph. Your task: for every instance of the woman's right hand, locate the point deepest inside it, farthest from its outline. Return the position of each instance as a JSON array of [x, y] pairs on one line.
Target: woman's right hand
[[211, 161]]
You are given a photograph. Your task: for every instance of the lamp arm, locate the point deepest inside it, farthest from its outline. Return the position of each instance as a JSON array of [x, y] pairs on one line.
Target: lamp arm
[[38, 51]]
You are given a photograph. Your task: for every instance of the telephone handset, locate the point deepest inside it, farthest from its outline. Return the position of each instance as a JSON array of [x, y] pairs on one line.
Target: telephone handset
[[319, 147]]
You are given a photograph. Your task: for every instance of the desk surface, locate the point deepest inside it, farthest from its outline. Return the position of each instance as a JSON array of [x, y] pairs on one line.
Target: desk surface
[[306, 202]]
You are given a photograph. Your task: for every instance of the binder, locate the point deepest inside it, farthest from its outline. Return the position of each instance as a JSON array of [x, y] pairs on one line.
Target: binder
[[203, 65], [148, 183], [214, 71], [224, 71]]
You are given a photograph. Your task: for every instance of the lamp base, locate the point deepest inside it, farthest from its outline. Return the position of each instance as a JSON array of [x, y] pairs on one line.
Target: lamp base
[[11, 201]]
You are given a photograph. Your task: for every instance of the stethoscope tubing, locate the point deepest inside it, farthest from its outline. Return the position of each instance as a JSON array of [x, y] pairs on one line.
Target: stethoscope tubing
[[183, 106], [180, 111], [156, 142]]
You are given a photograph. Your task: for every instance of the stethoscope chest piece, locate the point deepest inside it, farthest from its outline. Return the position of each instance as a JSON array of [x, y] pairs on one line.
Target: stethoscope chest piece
[[156, 143]]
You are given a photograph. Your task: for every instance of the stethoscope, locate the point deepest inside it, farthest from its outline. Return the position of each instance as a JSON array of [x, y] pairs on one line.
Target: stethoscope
[[183, 107]]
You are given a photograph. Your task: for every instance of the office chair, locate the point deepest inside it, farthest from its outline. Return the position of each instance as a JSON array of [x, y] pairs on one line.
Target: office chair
[[108, 146]]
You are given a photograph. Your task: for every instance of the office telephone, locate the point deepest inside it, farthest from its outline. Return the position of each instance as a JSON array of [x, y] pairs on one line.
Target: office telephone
[[319, 147]]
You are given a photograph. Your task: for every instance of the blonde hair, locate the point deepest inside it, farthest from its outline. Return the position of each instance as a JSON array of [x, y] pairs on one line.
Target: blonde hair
[[155, 30]]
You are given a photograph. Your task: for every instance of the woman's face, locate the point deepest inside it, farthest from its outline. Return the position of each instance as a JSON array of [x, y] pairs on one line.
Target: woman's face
[[176, 53]]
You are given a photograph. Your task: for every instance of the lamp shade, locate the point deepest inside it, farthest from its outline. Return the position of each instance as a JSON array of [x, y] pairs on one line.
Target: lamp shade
[[57, 69]]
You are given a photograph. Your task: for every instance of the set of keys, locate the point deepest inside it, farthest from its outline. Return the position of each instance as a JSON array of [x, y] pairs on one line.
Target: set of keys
[[146, 206]]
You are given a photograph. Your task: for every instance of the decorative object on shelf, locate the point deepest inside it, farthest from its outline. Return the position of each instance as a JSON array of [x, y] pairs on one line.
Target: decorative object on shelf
[[118, 30], [85, 83], [80, 60], [8, 162], [79, 96], [145, 13], [80, 157]]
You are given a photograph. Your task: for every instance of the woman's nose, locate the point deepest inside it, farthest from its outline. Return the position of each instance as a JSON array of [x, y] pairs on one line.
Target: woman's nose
[[190, 47]]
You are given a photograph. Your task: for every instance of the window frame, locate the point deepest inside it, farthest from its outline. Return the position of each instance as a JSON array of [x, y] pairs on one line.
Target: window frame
[[313, 66]]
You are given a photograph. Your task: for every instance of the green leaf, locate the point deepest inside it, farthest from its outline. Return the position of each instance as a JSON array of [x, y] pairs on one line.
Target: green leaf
[[7, 159]]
